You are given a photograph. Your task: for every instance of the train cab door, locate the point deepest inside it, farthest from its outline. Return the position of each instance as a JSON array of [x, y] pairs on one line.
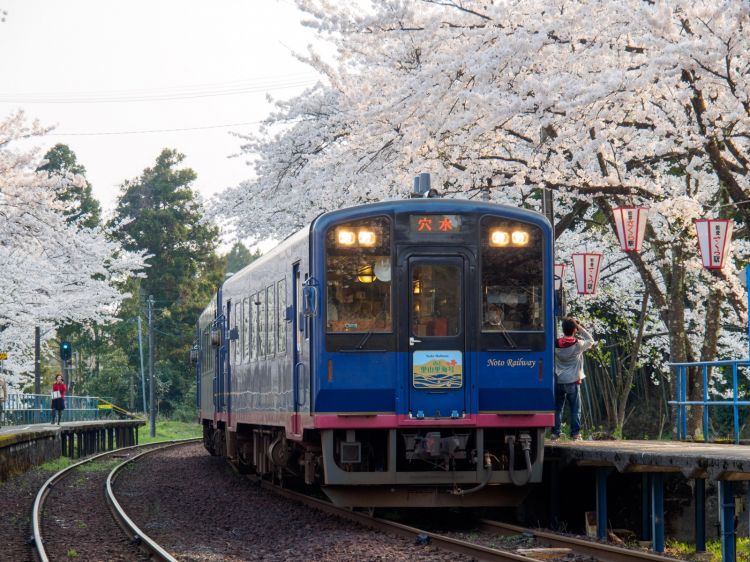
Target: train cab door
[[436, 334], [225, 361]]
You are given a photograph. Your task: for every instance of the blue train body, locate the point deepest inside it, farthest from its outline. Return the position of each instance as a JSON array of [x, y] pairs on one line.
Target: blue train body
[[399, 353]]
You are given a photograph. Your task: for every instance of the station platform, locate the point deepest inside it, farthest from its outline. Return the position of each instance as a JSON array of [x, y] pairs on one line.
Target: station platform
[[24, 446], [714, 461], [724, 464]]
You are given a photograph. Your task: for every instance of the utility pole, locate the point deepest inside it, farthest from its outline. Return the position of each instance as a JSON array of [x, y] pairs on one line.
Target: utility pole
[[37, 361], [140, 351], [548, 206], [152, 394]]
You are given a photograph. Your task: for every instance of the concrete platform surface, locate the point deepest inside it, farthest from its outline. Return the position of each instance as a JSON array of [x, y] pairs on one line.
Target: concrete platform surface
[[40, 428], [24, 446], [714, 461]]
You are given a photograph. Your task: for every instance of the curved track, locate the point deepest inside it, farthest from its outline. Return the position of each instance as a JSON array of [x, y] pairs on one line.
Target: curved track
[[133, 532], [600, 551]]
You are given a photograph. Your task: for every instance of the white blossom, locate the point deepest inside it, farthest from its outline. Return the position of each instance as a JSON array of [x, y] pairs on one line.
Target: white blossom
[[54, 271]]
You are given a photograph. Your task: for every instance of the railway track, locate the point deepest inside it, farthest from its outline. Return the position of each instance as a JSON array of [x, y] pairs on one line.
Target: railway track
[[134, 544], [570, 545], [100, 513], [601, 551], [458, 546]]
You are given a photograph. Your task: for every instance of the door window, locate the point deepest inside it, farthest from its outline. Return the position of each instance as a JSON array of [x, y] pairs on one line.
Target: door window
[[436, 300]]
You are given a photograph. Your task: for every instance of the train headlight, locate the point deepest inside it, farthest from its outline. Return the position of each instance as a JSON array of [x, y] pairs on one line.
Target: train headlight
[[499, 238], [346, 237], [520, 237], [366, 238]]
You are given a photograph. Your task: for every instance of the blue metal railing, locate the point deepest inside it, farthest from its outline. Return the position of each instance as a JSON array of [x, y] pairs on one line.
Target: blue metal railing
[[25, 409], [682, 402]]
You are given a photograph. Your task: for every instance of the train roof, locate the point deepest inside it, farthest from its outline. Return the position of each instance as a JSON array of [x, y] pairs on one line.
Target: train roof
[[287, 242], [430, 205]]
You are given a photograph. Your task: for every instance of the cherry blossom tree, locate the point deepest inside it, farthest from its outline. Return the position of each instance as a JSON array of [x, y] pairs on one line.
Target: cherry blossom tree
[[599, 103], [55, 270]]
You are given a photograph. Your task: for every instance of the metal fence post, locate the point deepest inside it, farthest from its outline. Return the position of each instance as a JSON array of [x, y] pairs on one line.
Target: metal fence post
[[705, 403], [734, 405]]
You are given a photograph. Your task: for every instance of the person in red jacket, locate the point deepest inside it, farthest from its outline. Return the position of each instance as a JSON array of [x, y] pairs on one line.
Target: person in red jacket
[[58, 398], [569, 375]]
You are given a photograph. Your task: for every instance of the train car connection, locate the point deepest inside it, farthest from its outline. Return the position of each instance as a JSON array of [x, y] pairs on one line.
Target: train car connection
[[397, 353]]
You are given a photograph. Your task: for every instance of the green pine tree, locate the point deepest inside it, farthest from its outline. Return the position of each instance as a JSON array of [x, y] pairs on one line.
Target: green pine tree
[[184, 268], [240, 256], [62, 160]]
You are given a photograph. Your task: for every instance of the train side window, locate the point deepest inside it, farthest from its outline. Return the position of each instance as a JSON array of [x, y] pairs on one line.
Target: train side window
[[262, 324], [238, 324], [358, 276], [301, 321], [253, 328], [206, 350], [271, 300], [246, 330], [512, 276], [232, 325], [281, 316]]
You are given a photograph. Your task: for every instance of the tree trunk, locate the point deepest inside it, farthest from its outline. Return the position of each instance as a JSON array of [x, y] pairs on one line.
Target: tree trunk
[[625, 384]]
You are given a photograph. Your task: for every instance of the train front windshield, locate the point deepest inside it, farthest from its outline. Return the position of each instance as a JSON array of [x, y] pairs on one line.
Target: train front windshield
[[358, 277], [512, 276], [359, 295]]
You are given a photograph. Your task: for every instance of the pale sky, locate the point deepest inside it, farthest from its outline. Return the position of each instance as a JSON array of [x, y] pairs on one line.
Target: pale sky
[[95, 69]]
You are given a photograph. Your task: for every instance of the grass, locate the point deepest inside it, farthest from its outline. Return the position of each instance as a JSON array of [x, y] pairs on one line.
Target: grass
[[686, 551], [167, 430], [57, 464]]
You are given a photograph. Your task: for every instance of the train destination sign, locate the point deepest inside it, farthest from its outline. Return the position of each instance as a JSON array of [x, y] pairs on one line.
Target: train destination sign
[[435, 224]]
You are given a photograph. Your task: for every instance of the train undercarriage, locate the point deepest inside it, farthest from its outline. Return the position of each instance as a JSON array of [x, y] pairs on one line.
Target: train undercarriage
[[425, 467]]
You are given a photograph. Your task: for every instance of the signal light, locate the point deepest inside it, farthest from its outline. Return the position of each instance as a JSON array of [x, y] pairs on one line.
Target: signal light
[[66, 350]]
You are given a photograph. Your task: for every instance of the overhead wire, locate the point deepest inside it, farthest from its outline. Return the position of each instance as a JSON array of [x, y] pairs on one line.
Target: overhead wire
[[168, 93], [147, 131]]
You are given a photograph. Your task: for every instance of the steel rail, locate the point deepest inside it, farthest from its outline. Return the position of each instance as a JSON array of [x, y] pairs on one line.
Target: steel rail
[[41, 496], [600, 551], [442, 542], [125, 522]]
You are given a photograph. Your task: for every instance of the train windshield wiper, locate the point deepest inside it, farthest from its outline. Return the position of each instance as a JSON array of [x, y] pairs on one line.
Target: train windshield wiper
[[364, 339], [370, 332], [507, 337]]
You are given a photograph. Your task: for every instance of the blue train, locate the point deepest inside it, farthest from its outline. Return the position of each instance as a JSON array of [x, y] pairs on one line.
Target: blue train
[[398, 354]]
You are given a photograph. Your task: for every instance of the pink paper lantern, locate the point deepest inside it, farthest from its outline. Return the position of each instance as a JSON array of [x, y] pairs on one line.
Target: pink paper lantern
[[586, 270], [714, 236], [631, 227], [559, 275]]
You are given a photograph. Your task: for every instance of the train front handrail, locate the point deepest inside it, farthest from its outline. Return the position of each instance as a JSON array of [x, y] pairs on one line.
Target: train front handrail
[[681, 370]]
